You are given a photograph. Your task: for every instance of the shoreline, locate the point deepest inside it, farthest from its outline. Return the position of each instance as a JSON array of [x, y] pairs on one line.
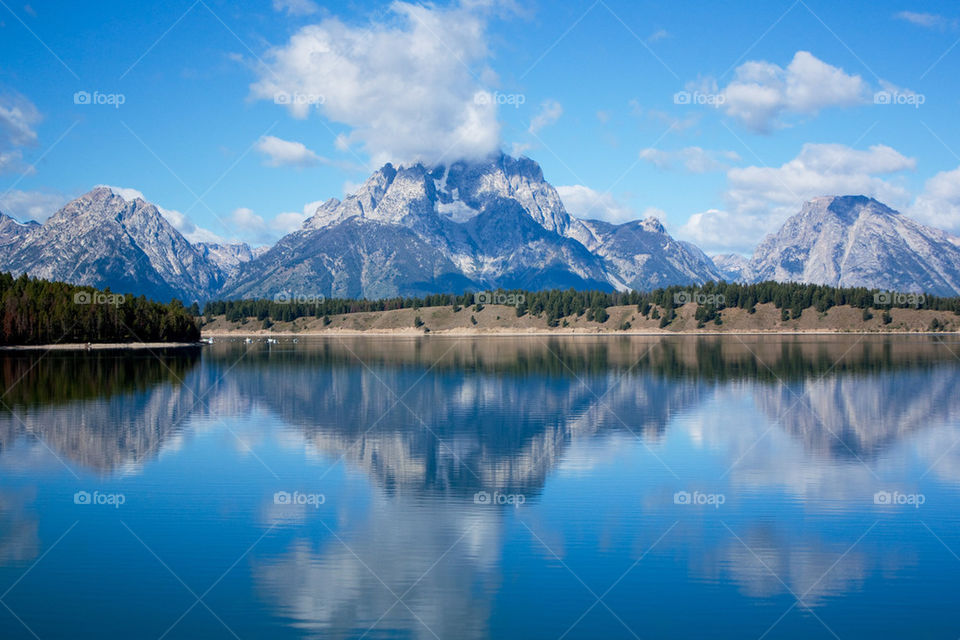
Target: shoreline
[[405, 333], [100, 346]]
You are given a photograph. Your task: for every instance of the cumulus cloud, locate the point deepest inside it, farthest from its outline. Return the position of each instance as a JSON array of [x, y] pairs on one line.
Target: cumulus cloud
[[18, 116], [759, 199], [720, 231], [407, 88], [584, 202], [690, 159], [31, 205], [286, 153], [550, 112], [262, 231], [296, 7], [820, 169], [939, 203], [763, 96]]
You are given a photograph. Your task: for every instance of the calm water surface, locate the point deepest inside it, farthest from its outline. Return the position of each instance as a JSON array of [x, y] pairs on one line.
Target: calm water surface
[[795, 487]]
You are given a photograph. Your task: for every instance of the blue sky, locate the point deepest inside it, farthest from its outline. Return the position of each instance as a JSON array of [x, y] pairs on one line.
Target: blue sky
[[719, 118]]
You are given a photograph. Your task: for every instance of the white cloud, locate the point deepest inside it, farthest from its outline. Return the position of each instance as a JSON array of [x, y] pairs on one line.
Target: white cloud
[[286, 153], [406, 88], [718, 231], [126, 193], [691, 159], [763, 95], [31, 205], [550, 112], [584, 202], [17, 119], [927, 20], [819, 169], [296, 7], [939, 203], [261, 231], [759, 199]]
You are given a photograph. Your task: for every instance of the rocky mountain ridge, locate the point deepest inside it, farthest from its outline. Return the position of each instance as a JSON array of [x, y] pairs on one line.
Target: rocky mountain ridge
[[417, 230]]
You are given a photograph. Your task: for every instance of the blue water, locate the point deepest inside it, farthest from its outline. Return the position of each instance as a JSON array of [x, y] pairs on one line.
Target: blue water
[[793, 487]]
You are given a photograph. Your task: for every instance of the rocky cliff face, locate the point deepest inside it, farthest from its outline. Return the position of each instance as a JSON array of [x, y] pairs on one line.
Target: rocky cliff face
[[641, 254], [733, 266], [498, 223], [227, 257], [102, 240], [13, 234], [855, 241]]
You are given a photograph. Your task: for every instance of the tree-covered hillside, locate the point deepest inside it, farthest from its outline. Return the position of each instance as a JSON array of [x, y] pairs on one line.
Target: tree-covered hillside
[[34, 311]]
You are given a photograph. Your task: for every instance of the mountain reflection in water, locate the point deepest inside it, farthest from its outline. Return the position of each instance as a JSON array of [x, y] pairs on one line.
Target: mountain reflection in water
[[596, 434]]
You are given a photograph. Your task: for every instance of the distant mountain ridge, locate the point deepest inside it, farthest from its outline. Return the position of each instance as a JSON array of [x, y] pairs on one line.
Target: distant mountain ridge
[[418, 230], [853, 241]]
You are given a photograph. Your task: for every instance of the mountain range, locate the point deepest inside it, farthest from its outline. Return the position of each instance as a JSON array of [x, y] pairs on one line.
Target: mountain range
[[417, 230]]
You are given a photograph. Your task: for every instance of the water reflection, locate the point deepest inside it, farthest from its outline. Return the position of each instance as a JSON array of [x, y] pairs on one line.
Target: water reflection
[[103, 411], [19, 543], [597, 434], [346, 586], [359, 398]]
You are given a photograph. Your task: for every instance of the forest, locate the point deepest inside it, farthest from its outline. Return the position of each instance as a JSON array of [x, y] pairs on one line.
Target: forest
[[36, 311]]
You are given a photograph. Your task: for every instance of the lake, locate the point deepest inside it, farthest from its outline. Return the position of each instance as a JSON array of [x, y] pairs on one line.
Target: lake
[[535, 487]]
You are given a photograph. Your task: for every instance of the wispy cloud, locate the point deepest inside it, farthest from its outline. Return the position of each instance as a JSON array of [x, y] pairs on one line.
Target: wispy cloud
[[927, 20], [550, 112], [690, 159], [296, 7]]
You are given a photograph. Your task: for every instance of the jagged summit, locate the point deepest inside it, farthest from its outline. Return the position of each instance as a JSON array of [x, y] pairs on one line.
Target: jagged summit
[[490, 223]]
